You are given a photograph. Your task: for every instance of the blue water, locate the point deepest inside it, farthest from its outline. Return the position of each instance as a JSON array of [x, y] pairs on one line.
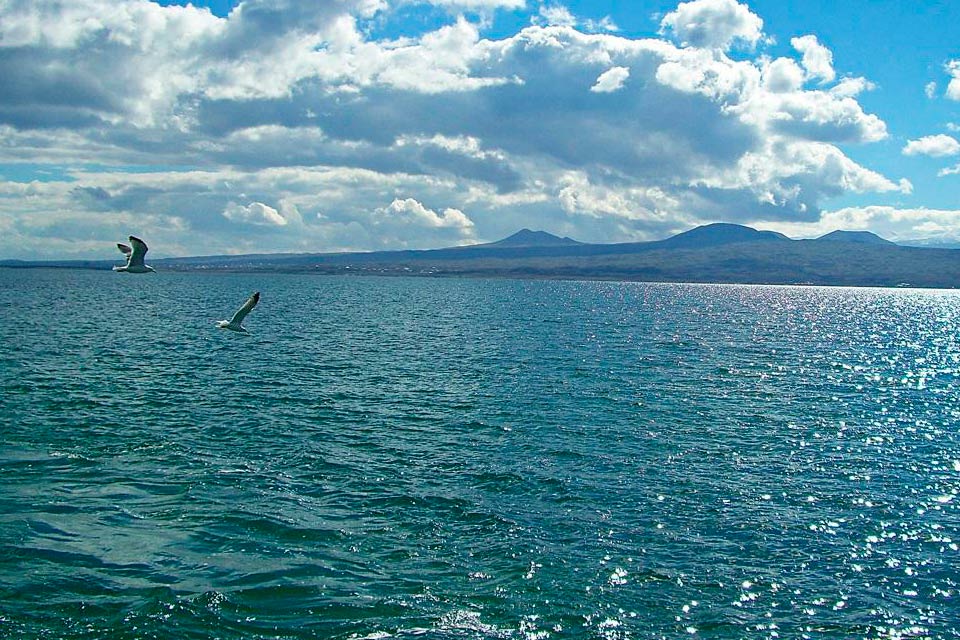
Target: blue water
[[397, 458]]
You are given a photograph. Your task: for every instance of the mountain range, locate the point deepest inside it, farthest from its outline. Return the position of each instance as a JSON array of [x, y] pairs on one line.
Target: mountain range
[[721, 253]]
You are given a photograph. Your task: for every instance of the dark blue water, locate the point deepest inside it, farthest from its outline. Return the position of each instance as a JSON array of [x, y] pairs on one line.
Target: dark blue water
[[387, 458]]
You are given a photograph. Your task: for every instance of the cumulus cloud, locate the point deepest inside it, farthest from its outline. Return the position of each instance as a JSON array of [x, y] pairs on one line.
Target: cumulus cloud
[[299, 106], [937, 146], [604, 24], [442, 61], [577, 195], [479, 5], [451, 226], [557, 15], [783, 75], [792, 176], [714, 24], [749, 93], [851, 87], [611, 80], [893, 223], [953, 88], [817, 60], [410, 211], [135, 62], [254, 213]]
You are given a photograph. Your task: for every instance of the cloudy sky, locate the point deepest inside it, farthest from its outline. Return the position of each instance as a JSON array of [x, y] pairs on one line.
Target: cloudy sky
[[283, 125]]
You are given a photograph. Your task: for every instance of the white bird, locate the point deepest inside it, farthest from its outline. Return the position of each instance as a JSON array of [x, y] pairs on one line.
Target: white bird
[[235, 323], [134, 257]]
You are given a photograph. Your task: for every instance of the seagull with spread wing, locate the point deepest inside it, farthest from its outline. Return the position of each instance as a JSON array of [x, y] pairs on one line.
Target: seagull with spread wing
[[235, 323], [134, 257]]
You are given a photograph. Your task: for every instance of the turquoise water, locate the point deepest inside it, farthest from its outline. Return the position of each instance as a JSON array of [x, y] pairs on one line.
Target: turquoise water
[[396, 458]]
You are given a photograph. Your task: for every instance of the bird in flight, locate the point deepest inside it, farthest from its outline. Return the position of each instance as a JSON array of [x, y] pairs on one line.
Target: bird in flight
[[134, 257], [235, 323]]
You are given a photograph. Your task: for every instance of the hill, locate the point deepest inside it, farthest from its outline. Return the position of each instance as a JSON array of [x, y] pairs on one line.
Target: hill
[[860, 237], [528, 238], [719, 253], [721, 233]]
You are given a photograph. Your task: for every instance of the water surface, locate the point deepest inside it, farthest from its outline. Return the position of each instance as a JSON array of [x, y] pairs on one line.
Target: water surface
[[387, 457]]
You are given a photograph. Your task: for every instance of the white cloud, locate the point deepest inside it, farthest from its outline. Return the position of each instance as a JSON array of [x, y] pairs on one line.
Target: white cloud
[[937, 146], [749, 93], [122, 62], [782, 75], [440, 62], [714, 24], [953, 88], [817, 59], [578, 196], [412, 212], [296, 105], [604, 24], [408, 212], [795, 176], [892, 223], [930, 90], [254, 213], [851, 87], [557, 15], [611, 80], [479, 5], [720, 79], [131, 61], [465, 145]]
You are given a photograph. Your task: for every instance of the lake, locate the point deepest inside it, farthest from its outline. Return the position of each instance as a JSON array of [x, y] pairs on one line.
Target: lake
[[455, 458]]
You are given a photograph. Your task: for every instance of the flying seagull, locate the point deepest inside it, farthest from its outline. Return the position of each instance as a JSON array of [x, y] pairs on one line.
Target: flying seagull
[[134, 257], [235, 323]]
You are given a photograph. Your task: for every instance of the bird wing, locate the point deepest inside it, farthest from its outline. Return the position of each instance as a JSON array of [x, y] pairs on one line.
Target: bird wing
[[126, 250], [139, 250], [246, 308]]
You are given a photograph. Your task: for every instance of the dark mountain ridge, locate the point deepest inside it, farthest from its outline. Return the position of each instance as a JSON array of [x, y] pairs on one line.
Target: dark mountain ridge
[[528, 238], [720, 253], [721, 233], [861, 237]]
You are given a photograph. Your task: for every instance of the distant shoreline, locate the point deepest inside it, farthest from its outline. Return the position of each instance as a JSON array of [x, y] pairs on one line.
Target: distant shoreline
[[487, 276], [712, 254]]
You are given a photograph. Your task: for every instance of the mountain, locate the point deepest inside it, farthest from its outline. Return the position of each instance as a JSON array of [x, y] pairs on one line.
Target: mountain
[[859, 237], [528, 238], [721, 233], [716, 253]]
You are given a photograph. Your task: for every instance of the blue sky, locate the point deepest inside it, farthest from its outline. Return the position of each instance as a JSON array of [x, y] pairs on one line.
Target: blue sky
[[280, 125]]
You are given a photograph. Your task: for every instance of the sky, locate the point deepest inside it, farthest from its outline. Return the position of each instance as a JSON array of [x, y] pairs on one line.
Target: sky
[[259, 126]]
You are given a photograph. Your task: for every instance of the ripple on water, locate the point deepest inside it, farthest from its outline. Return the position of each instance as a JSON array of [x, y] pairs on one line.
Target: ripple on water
[[465, 459]]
